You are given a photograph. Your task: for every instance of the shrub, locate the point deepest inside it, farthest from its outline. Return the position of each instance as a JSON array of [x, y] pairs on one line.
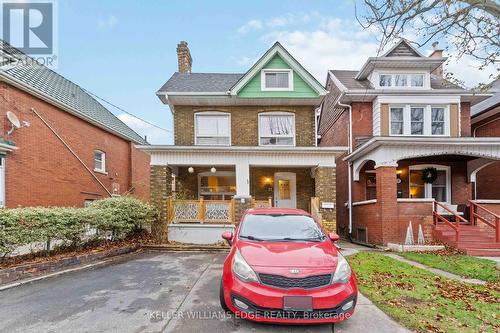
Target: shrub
[[120, 215]]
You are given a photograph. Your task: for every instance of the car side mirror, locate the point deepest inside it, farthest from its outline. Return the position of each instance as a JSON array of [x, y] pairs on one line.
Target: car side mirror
[[228, 236], [333, 236]]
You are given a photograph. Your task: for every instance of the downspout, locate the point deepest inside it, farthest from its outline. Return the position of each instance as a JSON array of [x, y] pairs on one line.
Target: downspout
[[71, 151], [349, 165]]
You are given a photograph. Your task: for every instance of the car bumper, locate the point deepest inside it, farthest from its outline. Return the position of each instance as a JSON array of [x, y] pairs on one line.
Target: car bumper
[[265, 304]]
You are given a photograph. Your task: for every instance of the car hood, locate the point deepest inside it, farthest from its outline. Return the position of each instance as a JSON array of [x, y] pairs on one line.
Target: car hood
[[289, 254]]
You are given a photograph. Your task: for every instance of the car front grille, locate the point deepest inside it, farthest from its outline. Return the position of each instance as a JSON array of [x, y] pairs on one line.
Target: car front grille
[[308, 282]]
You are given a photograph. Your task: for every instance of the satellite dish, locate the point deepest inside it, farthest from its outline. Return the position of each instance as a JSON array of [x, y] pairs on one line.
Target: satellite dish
[[14, 121]]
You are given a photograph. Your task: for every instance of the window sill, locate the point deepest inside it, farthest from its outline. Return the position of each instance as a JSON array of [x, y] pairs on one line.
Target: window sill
[[100, 171]]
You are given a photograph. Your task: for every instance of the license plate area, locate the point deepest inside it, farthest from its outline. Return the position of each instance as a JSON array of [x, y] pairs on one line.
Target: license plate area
[[298, 303]]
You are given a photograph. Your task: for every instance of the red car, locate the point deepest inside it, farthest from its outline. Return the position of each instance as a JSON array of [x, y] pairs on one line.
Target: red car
[[284, 268]]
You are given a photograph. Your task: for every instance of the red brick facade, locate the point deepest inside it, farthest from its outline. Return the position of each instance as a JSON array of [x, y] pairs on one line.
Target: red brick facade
[[487, 179], [43, 172]]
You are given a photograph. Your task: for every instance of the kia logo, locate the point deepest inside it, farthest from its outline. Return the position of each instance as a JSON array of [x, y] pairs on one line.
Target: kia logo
[[295, 271]]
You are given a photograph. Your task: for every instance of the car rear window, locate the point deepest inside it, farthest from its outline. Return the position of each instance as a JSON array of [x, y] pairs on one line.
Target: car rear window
[[280, 227]]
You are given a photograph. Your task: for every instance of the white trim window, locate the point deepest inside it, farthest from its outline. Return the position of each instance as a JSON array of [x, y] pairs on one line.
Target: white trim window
[[2, 182], [276, 129], [99, 161], [212, 128], [401, 80], [419, 120], [276, 80], [440, 189]]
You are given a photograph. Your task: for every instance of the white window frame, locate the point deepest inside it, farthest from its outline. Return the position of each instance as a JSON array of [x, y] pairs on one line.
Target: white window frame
[[103, 156], [216, 173], [408, 74], [427, 119], [428, 187], [277, 113], [208, 114], [263, 73], [2, 181]]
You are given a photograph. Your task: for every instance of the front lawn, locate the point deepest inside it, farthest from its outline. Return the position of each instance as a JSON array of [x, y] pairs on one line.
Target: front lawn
[[423, 301], [463, 265]]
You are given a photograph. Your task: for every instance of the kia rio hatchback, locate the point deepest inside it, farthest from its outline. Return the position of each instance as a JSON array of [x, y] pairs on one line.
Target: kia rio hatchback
[[283, 267]]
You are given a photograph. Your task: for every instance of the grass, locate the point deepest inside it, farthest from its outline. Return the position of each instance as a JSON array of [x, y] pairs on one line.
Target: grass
[[423, 301], [463, 265]]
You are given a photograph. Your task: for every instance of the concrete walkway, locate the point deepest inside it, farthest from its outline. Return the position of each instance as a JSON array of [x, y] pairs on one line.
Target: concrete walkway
[[436, 271], [151, 292]]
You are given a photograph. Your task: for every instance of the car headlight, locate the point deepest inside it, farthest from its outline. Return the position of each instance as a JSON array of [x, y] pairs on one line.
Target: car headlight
[[343, 270], [241, 269]]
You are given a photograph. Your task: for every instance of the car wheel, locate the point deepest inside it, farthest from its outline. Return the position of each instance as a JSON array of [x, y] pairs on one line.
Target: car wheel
[[221, 297]]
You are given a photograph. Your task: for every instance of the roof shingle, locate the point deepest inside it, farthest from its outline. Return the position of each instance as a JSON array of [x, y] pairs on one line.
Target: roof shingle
[[200, 82]]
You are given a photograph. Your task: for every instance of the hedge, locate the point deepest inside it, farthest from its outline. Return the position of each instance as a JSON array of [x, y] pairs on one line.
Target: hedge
[[118, 216]]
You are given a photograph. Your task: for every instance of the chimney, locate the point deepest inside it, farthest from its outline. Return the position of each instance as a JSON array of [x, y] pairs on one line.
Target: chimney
[[437, 53], [184, 57]]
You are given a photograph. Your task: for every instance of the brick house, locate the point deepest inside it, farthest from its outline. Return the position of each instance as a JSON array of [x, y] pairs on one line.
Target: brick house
[[241, 140], [485, 121], [69, 149], [411, 156]]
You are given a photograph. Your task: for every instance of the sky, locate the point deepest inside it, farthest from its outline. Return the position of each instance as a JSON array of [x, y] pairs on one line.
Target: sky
[[123, 51]]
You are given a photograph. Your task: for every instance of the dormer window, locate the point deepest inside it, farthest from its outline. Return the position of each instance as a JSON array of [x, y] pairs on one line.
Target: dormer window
[[402, 80], [277, 80]]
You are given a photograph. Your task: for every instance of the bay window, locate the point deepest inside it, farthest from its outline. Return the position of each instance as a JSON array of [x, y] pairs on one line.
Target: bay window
[[427, 120], [276, 129], [212, 128]]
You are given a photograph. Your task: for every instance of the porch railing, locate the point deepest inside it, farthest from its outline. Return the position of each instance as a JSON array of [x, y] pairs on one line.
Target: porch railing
[[438, 217], [486, 216], [200, 211], [262, 203]]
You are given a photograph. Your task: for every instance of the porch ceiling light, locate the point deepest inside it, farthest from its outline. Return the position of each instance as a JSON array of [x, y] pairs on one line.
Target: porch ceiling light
[[213, 170], [190, 169]]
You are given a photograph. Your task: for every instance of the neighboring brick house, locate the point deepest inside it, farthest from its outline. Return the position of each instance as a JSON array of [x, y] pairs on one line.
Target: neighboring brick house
[[409, 136], [74, 149], [241, 140], [485, 121]]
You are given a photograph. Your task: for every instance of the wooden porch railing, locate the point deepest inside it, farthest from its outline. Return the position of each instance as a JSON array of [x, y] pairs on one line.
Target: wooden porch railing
[[200, 211], [487, 219], [262, 203], [438, 217]]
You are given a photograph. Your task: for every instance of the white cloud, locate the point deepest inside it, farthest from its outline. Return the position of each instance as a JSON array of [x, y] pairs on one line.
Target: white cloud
[[107, 23], [323, 42], [249, 26], [154, 134]]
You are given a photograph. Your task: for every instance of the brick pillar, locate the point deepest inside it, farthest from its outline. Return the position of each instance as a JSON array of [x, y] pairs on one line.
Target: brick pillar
[[240, 205], [325, 190], [161, 178], [387, 202]]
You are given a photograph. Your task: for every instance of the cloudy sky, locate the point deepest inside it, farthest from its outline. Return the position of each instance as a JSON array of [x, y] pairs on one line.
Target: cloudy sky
[[124, 51]]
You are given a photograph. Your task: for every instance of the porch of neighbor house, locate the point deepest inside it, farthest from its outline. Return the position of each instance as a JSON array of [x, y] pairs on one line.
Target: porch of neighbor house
[[433, 187], [207, 194]]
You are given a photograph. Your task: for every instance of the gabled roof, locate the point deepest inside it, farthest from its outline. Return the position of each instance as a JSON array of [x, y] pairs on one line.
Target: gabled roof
[[277, 48], [403, 49], [232, 83], [36, 78]]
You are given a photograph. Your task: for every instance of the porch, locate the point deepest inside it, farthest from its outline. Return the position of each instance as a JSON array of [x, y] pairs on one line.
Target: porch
[[431, 186], [207, 189]]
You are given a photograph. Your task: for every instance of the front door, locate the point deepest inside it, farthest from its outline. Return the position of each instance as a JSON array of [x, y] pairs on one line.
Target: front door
[[285, 190]]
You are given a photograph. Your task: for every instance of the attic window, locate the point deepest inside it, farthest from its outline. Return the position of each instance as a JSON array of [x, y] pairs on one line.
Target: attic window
[[402, 80], [277, 80]]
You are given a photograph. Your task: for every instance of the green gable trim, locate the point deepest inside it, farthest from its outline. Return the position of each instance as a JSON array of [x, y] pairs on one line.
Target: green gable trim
[[301, 89]]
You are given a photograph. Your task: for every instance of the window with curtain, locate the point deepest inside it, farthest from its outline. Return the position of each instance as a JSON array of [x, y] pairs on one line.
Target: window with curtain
[[213, 129], [278, 130], [397, 121], [417, 120], [437, 116]]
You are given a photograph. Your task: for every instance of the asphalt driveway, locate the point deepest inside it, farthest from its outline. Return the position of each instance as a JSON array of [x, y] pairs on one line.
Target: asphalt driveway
[[148, 292]]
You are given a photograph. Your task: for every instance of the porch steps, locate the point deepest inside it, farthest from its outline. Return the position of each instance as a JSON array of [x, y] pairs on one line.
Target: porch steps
[[472, 239]]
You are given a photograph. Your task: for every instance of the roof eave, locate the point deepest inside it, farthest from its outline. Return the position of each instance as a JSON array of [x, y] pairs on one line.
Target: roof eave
[[370, 63]]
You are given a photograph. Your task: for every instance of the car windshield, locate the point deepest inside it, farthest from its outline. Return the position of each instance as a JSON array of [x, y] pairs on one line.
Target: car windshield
[[280, 227]]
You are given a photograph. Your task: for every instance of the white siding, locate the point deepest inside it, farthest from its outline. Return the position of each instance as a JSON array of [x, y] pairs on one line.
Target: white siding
[[376, 117]]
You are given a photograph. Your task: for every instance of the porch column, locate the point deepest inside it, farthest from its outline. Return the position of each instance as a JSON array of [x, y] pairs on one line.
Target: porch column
[[161, 189], [242, 199], [325, 190], [387, 203]]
